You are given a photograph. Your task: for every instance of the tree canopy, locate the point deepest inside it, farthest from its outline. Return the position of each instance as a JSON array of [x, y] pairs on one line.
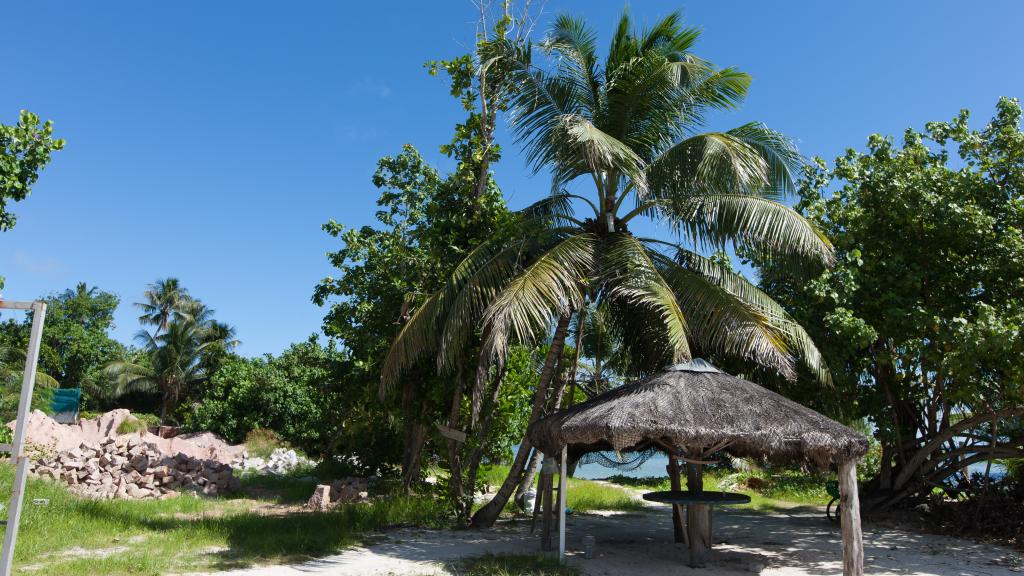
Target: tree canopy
[[921, 316]]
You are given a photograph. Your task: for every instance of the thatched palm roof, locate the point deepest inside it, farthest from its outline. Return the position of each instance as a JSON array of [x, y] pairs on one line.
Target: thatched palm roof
[[693, 407]]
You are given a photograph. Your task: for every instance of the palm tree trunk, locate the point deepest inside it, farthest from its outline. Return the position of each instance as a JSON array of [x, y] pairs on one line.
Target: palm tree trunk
[[485, 516]]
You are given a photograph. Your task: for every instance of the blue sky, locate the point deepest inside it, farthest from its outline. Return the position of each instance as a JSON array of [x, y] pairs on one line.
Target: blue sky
[[210, 140]]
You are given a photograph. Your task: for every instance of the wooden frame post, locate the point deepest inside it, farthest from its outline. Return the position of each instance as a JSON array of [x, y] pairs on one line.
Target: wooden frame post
[[17, 448], [563, 484], [849, 504], [547, 493], [678, 532]]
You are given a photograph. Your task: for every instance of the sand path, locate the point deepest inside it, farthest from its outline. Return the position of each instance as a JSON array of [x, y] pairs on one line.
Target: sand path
[[799, 542]]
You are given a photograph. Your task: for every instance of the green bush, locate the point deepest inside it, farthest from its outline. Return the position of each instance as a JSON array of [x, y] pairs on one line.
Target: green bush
[[249, 394], [131, 425], [262, 442], [138, 423]]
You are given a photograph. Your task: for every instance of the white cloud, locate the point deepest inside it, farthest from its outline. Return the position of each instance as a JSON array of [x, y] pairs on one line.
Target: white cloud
[[369, 88], [40, 266]]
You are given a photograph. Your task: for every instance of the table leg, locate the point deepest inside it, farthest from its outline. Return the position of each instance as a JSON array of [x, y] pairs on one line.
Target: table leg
[[698, 528]]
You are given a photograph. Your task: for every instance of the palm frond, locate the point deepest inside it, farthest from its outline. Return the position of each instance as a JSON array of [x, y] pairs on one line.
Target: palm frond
[[726, 324], [576, 44], [798, 343], [579, 147], [713, 162], [629, 274], [551, 285], [765, 225]]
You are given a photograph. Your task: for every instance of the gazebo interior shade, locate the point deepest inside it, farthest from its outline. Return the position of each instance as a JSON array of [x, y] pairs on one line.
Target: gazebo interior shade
[[693, 407]]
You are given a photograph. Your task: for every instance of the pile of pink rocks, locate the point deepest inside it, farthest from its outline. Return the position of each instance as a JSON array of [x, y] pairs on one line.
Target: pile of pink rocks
[[45, 435], [344, 491], [128, 467]]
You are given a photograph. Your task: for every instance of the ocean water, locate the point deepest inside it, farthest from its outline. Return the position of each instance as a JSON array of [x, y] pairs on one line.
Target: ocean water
[[656, 465]]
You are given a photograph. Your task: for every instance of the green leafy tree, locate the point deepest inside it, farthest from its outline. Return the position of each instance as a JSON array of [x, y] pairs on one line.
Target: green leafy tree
[[76, 340], [428, 223], [25, 149], [922, 315], [630, 126], [309, 397]]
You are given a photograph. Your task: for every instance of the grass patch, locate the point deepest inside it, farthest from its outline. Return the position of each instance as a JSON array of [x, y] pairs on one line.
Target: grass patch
[[131, 425], [119, 537], [582, 495], [512, 565]]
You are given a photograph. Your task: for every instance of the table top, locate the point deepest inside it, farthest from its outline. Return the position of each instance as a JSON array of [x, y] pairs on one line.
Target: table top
[[706, 497]]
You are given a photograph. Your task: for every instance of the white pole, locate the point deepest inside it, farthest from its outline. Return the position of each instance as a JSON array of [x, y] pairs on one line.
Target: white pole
[[17, 449], [562, 484]]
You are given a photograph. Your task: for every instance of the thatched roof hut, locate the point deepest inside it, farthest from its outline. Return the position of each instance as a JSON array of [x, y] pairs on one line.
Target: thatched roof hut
[[692, 411], [693, 407]]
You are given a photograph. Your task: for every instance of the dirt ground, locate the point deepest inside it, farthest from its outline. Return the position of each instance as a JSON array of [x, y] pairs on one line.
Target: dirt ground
[[799, 542]]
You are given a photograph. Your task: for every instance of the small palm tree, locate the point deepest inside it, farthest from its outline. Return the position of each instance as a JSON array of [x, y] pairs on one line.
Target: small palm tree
[[630, 128]]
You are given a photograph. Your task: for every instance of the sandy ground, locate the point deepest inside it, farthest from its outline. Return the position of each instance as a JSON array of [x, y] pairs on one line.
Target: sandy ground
[[788, 544]]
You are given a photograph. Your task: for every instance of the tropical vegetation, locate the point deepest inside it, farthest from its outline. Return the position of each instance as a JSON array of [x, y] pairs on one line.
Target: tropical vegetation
[[890, 296]]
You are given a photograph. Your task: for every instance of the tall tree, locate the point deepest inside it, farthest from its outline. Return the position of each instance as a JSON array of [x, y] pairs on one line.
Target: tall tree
[[429, 223], [183, 352], [630, 126], [922, 315]]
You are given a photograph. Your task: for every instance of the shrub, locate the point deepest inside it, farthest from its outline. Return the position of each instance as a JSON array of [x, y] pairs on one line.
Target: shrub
[[131, 425], [249, 394], [138, 423], [262, 442]]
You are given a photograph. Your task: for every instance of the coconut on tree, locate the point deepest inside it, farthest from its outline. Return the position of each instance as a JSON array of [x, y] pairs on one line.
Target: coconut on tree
[[621, 139]]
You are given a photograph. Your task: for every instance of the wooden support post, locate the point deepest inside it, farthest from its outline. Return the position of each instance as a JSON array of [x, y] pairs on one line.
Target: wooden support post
[[849, 503], [698, 519], [547, 474], [677, 511], [563, 486]]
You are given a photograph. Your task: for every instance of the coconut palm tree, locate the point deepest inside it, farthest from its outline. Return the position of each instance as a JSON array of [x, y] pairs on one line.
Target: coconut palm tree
[[162, 299], [171, 363], [628, 127]]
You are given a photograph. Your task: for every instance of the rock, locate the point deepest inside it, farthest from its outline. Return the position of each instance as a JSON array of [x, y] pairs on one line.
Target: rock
[[134, 469], [321, 498]]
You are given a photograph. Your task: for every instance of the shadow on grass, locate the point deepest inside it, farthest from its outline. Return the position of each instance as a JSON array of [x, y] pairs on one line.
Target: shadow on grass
[[297, 536]]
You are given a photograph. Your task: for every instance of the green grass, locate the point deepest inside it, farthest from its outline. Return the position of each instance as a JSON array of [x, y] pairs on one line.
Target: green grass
[[131, 425], [582, 495], [117, 537], [782, 489], [512, 565]]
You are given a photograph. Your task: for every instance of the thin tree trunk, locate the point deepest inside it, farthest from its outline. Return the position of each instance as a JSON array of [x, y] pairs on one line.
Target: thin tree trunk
[[481, 439], [415, 434], [527, 481], [454, 460], [415, 438], [486, 516]]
